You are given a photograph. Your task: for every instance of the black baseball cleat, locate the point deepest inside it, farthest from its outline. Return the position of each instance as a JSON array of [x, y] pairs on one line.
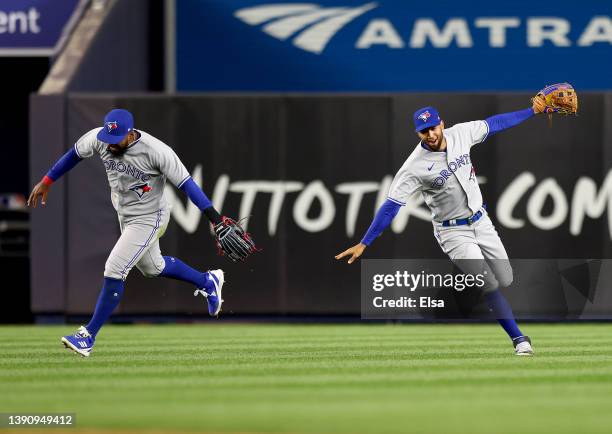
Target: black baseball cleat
[[522, 346]]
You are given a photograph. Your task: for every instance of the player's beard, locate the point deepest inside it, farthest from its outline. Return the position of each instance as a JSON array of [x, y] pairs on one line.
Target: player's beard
[[116, 152], [437, 144]]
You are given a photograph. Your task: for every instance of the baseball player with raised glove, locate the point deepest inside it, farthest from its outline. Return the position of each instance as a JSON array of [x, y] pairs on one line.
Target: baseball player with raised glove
[[137, 166], [440, 168]]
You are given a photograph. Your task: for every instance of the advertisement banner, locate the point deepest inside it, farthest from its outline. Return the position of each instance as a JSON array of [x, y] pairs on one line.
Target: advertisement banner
[[391, 45], [309, 172], [36, 27]]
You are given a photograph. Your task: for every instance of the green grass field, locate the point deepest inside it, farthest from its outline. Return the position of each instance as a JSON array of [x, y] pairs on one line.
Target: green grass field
[[314, 378]]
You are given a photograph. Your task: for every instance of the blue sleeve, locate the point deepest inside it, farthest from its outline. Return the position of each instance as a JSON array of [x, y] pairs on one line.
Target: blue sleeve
[[382, 220], [64, 164], [504, 121], [195, 194]]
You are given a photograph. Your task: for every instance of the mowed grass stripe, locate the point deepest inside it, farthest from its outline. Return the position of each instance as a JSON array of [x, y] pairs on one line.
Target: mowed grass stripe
[[315, 378]]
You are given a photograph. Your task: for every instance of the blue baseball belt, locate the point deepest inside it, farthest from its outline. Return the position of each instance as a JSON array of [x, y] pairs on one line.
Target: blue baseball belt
[[467, 221]]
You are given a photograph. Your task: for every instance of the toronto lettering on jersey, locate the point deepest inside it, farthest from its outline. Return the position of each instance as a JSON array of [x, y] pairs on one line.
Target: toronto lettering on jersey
[[586, 199], [119, 166], [439, 181]]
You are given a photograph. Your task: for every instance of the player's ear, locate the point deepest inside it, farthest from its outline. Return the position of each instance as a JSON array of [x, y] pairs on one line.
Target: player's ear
[[441, 124]]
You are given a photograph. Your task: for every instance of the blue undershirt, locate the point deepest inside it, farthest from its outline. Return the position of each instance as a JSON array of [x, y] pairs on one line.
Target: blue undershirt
[[196, 195], [64, 164], [504, 121], [382, 220]]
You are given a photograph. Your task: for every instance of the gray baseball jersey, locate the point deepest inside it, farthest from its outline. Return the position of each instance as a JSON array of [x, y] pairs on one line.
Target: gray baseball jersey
[[447, 180], [138, 177]]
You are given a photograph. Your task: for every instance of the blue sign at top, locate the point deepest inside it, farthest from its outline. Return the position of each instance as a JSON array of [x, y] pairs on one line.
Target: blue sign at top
[[392, 45], [36, 27]]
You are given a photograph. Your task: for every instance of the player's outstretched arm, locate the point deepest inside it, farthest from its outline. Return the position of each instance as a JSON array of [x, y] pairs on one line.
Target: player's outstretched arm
[[558, 98], [199, 199], [63, 165], [504, 121], [382, 220]]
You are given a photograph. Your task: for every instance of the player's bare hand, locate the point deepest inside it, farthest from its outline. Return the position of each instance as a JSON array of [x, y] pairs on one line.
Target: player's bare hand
[[40, 190], [354, 252]]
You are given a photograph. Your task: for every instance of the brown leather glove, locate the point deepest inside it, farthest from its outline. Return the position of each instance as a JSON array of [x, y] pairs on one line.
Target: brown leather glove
[[557, 98]]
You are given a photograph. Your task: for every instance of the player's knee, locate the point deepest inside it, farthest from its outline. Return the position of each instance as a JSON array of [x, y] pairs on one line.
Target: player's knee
[[112, 271], [500, 280], [503, 272], [149, 274], [506, 280], [149, 270], [491, 284]]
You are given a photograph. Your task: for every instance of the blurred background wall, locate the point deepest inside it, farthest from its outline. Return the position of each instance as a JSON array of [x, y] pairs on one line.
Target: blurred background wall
[[303, 109], [34, 37]]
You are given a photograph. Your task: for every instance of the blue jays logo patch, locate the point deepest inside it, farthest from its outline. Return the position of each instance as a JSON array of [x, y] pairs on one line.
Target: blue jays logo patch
[[110, 126], [424, 116], [141, 189]]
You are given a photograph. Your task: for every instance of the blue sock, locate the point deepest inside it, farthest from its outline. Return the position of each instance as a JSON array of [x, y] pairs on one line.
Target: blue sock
[[177, 269], [503, 313], [109, 298]]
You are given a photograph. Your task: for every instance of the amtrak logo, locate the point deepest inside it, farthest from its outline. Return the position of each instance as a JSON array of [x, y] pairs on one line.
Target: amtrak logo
[[111, 126], [141, 189], [424, 116], [312, 25]]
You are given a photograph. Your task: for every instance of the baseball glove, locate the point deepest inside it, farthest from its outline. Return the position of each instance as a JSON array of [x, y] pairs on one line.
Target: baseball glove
[[557, 98], [232, 241]]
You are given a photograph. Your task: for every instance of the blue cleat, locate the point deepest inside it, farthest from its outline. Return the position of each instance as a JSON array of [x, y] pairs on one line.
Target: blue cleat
[[212, 291], [81, 342]]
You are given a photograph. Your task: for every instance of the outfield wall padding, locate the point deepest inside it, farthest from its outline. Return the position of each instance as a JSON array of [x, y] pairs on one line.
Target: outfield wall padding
[[309, 172]]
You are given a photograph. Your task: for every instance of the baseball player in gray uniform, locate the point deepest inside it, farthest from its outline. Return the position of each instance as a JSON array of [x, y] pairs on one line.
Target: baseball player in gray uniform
[[440, 168], [137, 166]]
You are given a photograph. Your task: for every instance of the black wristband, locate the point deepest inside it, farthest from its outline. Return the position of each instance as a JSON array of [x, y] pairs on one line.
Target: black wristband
[[212, 215]]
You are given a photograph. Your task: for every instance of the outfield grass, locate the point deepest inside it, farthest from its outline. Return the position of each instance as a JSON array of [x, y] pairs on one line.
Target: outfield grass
[[315, 378]]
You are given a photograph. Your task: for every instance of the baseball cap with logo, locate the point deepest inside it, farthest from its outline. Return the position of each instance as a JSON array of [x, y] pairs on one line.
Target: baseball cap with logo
[[426, 117], [117, 124]]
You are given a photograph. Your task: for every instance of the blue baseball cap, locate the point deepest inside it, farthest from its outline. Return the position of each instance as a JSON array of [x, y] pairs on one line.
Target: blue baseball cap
[[426, 117], [117, 124]]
